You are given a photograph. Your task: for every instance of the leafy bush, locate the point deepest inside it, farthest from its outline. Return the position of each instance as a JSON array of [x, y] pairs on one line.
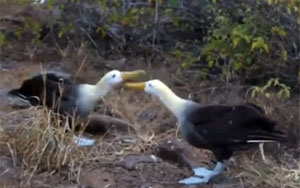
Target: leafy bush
[[254, 41], [283, 90], [245, 40], [2, 39]]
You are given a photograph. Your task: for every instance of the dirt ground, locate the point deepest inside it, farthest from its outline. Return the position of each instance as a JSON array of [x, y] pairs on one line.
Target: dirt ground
[[30, 158], [97, 173], [120, 160]]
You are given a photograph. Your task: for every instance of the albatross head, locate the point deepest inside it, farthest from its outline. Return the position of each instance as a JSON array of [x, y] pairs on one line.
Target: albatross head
[[153, 87], [174, 103], [110, 80], [116, 77], [90, 94]]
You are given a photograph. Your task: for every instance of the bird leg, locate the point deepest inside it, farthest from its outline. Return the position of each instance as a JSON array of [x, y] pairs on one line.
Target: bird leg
[[202, 175], [261, 149], [81, 141]]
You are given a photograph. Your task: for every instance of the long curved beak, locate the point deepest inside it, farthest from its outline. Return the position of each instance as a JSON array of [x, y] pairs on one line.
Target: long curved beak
[[133, 75], [135, 86]]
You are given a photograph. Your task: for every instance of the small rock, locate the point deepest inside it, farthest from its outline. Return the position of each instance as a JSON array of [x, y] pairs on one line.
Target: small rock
[[9, 175], [178, 82], [151, 186], [182, 154], [130, 161], [97, 178], [166, 125], [147, 114], [194, 97], [115, 64]]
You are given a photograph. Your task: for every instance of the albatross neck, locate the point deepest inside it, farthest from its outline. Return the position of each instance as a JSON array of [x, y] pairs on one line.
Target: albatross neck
[[90, 94], [174, 103], [101, 88]]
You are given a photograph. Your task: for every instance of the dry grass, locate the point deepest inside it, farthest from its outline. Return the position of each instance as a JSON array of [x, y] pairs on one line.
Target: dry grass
[[39, 144], [253, 172], [41, 148]]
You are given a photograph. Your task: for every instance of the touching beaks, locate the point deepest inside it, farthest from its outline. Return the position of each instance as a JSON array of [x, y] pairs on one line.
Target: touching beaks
[[135, 86], [133, 75]]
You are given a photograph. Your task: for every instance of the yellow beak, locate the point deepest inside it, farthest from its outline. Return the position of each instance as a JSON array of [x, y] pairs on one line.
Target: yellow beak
[[135, 86], [133, 75]]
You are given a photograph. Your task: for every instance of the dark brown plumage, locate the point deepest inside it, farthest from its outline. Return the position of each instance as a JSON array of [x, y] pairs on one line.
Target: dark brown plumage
[[47, 89], [225, 129]]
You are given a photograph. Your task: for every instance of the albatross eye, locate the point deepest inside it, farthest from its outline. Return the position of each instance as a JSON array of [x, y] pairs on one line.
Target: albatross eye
[[114, 75]]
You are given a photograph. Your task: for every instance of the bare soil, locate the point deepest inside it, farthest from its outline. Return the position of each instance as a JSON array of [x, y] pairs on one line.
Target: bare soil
[[103, 164], [128, 160]]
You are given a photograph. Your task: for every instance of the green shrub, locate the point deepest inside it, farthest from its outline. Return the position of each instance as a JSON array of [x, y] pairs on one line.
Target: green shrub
[[2, 39], [253, 40]]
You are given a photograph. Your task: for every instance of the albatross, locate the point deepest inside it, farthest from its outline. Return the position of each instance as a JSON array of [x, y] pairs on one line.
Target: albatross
[[58, 92], [221, 129]]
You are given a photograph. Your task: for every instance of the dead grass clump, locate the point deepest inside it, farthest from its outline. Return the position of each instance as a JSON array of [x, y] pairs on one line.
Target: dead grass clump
[[145, 112], [41, 143], [270, 173], [147, 115]]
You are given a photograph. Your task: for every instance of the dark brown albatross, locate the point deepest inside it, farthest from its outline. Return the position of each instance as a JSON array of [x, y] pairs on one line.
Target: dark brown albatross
[[58, 92], [221, 129]]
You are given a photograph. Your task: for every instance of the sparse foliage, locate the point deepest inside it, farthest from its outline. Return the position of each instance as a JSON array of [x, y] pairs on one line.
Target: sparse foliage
[[2, 39], [283, 91], [251, 38], [252, 44]]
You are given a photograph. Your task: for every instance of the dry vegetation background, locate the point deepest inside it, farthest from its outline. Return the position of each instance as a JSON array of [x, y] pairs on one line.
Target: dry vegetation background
[[216, 52]]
